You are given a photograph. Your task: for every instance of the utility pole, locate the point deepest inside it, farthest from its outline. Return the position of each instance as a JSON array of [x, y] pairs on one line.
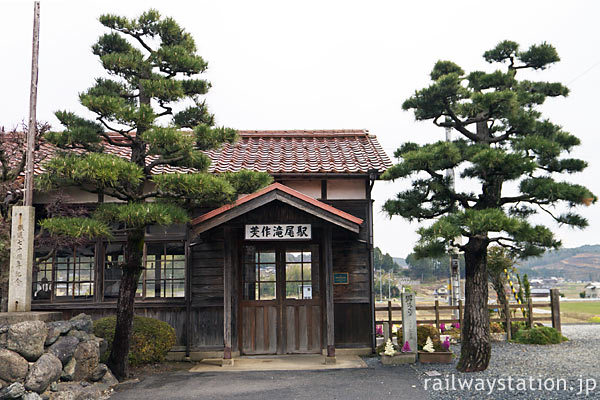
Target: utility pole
[[454, 297], [380, 285], [23, 217]]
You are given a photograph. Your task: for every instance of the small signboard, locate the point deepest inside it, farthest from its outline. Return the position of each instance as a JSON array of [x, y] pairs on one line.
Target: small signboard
[[307, 292], [278, 232], [340, 278]]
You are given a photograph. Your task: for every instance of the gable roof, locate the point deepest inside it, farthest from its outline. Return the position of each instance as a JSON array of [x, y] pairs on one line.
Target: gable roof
[[275, 191], [349, 151]]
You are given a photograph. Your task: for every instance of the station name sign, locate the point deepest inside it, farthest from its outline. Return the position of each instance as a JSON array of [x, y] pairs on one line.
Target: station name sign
[[278, 232]]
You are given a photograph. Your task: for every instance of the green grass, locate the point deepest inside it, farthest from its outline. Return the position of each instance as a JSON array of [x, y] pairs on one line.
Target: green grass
[[588, 307], [580, 311]]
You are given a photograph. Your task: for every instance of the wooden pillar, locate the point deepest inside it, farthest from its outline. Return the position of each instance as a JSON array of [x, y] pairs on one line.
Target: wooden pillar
[[555, 306], [530, 313], [437, 314], [228, 266], [508, 327], [188, 298], [328, 263]]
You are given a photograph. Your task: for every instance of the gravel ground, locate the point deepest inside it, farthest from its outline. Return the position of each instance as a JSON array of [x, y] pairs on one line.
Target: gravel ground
[[560, 371]]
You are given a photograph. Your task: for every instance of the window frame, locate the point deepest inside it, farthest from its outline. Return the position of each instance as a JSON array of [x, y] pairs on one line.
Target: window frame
[[73, 266]]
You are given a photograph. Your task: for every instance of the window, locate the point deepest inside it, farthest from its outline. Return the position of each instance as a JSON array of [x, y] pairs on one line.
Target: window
[[113, 257], [298, 275], [163, 275], [68, 273], [260, 275]]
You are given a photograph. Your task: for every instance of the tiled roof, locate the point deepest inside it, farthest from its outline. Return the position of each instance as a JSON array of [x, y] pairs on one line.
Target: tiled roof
[[277, 187], [281, 152], [302, 151]]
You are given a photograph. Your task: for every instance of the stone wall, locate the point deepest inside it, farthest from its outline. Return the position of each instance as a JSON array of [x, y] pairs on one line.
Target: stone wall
[[53, 360]]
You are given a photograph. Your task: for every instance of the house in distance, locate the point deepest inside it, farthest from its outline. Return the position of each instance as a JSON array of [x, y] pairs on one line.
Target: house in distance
[[287, 269]]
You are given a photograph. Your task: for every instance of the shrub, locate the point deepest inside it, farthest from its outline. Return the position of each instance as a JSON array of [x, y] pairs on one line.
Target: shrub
[[582, 294], [423, 331], [539, 335], [151, 339], [453, 332], [517, 326], [496, 327]]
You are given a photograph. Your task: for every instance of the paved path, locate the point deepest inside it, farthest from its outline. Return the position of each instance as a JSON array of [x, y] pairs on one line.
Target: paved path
[[374, 382]]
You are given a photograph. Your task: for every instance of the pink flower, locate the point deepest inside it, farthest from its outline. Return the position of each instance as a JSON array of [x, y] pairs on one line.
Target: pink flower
[[456, 325], [446, 344], [442, 327], [406, 347], [379, 330]]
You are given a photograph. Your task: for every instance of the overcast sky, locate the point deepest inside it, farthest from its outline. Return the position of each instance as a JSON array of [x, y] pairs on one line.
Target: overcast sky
[[324, 65]]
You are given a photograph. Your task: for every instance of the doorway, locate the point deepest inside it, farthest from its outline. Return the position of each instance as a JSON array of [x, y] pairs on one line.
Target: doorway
[[280, 307]]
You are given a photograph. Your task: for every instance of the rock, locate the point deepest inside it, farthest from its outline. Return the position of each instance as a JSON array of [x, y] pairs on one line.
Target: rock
[[91, 392], [54, 387], [14, 391], [99, 373], [31, 396], [81, 335], [53, 335], [3, 328], [69, 370], [66, 395], [46, 370], [61, 326], [109, 379], [87, 356], [3, 340], [82, 322], [3, 383], [27, 338], [64, 348], [13, 367], [103, 344]]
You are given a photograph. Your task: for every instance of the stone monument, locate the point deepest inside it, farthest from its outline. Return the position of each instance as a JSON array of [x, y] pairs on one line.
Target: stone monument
[[21, 259], [409, 319]]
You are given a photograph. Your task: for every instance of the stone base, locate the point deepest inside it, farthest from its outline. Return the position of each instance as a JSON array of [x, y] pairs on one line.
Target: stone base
[[9, 318], [198, 355], [399, 358], [330, 360], [227, 362]]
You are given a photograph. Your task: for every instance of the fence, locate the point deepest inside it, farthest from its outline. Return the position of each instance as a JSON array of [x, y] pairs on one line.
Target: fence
[[554, 305]]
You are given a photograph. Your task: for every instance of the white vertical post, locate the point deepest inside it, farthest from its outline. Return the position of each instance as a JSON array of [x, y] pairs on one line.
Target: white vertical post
[[409, 320]]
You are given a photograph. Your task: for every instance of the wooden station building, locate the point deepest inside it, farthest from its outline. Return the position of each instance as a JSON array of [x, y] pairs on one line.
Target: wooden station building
[[288, 269]]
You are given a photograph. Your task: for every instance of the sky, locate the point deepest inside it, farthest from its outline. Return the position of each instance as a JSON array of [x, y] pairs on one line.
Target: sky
[[324, 65]]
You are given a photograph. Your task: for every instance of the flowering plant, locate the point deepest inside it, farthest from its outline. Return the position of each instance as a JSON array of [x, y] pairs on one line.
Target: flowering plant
[[379, 330], [389, 348], [406, 348], [429, 345], [442, 327], [446, 344]]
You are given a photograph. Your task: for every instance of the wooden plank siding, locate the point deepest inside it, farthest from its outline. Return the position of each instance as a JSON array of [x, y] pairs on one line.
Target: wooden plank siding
[[205, 310]]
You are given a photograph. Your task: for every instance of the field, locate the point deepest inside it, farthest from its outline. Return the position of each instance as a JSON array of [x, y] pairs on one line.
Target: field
[[579, 311]]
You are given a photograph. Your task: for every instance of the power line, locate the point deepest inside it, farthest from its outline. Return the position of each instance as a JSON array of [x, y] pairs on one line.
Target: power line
[[584, 72]]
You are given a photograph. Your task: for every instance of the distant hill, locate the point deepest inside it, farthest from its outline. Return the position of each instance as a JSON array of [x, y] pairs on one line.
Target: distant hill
[[400, 261], [579, 263]]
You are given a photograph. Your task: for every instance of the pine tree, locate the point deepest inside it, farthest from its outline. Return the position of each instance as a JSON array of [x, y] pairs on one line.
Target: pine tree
[[502, 139], [153, 68]]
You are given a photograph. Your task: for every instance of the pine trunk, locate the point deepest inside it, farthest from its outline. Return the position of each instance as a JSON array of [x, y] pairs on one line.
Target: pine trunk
[[132, 268], [476, 348]]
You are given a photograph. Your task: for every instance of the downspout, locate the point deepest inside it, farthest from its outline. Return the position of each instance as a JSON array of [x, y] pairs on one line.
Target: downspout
[[373, 175]]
